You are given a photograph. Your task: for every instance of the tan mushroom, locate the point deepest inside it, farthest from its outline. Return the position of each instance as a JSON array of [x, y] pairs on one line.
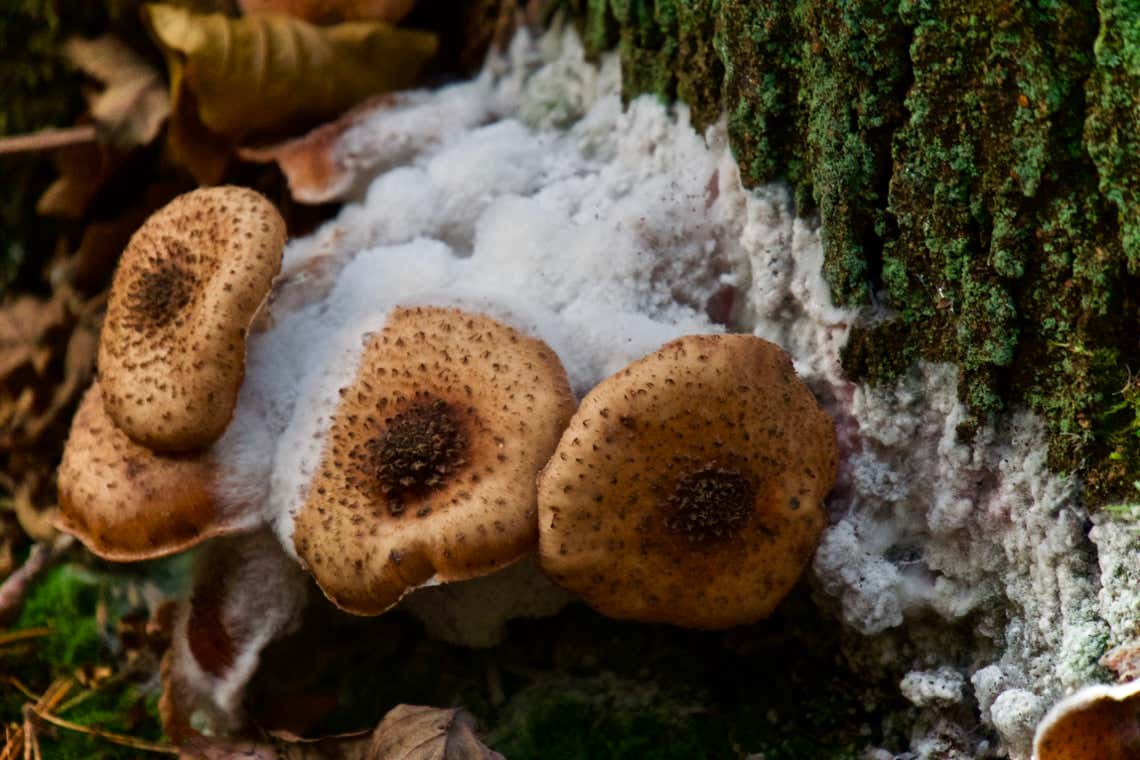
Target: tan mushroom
[[126, 502], [1096, 723], [429, 463], [688, 487], [172, 351]]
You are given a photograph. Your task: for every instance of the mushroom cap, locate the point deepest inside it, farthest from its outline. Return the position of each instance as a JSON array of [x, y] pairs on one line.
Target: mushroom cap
[[172, 350], [126, 502], [688, 487], [429, 463], [1096, 723]]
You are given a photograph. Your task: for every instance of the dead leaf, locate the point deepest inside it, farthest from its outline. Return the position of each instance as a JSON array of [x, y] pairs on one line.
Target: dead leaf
[[313, 164], [333, 11], [36, 523], [337, 160], [26, 324], [409, 732], [235, 78], [83, 171], [134, 103]]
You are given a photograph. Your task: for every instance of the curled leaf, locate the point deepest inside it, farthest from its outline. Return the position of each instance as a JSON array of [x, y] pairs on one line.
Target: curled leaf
[[236, 78], [333, 11], [336, 161], [133, 104], [409, 732]]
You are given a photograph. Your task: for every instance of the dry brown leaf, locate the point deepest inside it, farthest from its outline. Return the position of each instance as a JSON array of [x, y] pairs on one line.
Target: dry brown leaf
[[408, 732], [36, 523], [312, 163], [83, 171], [235, 78], [134, 103], [25, 324], [333, 11]]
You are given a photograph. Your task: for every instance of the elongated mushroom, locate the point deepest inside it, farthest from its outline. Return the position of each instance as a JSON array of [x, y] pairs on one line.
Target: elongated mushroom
[[1096, 723], [126, 502], [688, 487], [172, 350], [429, 464]]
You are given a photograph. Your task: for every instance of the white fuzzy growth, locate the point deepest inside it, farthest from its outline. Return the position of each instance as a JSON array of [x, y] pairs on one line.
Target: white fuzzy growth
[[1015, 713], [929, 524], [474, 613], [1117, 541], [933, 687]]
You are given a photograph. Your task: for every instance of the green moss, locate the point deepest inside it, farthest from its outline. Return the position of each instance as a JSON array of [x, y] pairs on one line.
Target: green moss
[[83, 606], [606, 717], [760, 46], [975, 168], [65, 600], [1111, 133]]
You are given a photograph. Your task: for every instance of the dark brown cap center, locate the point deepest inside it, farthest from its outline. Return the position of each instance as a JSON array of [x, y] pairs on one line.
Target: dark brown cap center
[[159, 293], [418, 449], [709, 504]]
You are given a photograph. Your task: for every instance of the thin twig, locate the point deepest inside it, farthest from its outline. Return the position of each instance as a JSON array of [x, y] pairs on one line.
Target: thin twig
[[126, 741], [48, 139], [11, 637], [16, 586], [21, 687]]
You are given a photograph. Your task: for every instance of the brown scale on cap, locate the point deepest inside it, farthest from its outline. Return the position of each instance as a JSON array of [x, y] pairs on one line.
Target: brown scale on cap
[[1097, 723], [172, 351], [126, 502], [429, 465], [688, 487]]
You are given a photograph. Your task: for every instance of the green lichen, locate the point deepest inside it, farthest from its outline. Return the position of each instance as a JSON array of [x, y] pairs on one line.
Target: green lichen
[[974, 166]]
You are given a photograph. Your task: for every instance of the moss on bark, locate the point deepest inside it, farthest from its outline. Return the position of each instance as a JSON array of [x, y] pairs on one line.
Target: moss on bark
[[976, 169]]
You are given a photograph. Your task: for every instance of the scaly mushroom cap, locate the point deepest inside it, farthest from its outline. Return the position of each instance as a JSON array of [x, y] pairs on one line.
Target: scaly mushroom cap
[[1096, 723], [124, 501], [172, 351], [688, 487], [429, 465]]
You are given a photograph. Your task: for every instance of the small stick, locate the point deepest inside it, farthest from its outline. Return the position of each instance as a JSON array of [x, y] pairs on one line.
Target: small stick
[[48, 139], [11, 637], [16, 586], [21, 687], [126, 741]]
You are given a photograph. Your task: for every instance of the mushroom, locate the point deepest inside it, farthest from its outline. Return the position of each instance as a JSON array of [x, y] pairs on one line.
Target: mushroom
[[128, 503], [246, 592], [1097, 723], [687, 488], [429, 463], [172, 350]]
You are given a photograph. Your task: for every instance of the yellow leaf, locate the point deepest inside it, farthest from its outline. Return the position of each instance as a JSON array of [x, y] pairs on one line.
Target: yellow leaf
[[271, 74]]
